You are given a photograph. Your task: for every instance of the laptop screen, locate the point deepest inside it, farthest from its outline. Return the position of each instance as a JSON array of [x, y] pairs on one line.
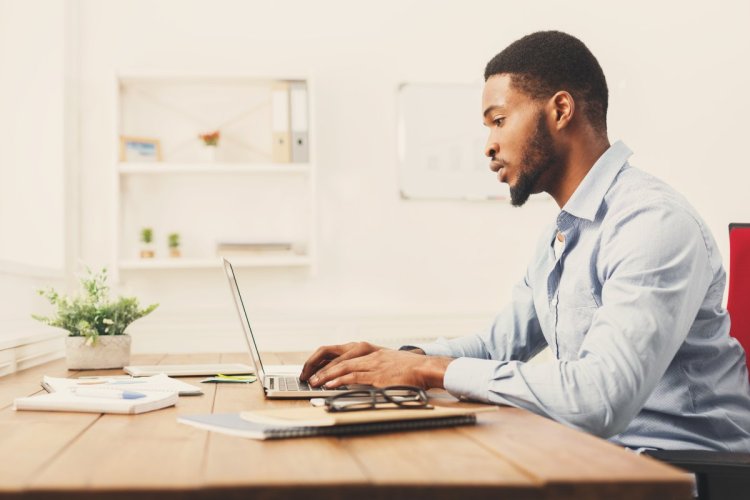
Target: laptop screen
[[242, 313]]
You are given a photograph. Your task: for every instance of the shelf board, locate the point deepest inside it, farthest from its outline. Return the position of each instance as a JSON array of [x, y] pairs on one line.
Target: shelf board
[[210, 263], [161, 168], [134, 77]]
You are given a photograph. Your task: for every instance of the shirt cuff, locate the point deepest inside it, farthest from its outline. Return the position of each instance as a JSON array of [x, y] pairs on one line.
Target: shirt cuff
[[432, 349], [470, 378]]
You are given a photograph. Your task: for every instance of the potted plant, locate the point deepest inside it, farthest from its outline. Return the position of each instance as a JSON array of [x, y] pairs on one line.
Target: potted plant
[[173, 241], [210, 142], [147, 241], [95, 323]]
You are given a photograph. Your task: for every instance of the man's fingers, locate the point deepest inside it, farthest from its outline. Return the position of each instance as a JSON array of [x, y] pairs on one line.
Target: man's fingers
[[319, 358], [334, 354], [323, 362], [348, 379], [333, 372], [361, 349]]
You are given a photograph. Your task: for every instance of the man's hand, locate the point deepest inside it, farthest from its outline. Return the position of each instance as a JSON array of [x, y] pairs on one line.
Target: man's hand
[[331, 355], [368, 364]]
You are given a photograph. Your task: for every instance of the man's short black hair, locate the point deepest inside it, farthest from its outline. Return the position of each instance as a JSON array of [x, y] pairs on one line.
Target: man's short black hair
[[546, 62]]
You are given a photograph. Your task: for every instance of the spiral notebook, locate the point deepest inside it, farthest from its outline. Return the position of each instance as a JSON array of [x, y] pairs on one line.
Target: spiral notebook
[[303, 422]]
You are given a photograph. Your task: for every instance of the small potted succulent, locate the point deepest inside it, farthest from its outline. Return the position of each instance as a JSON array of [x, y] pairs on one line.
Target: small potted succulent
[[147, 243], [95, 323], [173, 242]]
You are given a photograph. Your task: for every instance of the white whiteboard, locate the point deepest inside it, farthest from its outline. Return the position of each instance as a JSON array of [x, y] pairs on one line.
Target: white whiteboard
[[441, 143]]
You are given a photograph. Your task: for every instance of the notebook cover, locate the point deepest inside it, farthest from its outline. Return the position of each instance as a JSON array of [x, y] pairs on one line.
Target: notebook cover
[[66, 401], [233, 424], [317, 416]]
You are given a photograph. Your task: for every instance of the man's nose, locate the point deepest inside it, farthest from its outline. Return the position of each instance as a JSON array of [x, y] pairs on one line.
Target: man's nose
[[491, 150]]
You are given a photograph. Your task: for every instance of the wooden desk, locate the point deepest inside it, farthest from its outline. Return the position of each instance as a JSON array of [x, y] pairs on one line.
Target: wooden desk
[[509, 454]]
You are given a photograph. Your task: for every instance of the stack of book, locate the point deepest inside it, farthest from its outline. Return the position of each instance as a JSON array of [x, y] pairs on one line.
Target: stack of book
[[107, 394]]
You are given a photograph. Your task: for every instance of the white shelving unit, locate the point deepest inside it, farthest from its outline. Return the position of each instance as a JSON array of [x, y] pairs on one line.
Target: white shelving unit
[[162, 168], [245, 196], [183, 263]]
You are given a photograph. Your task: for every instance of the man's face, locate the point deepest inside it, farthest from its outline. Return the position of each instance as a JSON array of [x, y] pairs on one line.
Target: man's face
[[520, 145]]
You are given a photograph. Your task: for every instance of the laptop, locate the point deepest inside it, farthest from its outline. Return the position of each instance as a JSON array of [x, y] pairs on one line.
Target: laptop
[[276, 385]]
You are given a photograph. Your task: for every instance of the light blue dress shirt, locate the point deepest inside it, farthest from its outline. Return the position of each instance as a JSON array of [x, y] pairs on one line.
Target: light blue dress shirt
[[632, 311]]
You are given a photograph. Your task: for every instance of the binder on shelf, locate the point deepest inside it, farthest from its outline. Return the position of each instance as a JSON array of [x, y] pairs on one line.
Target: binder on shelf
[[299, 122], [256, 248], [281, 135]]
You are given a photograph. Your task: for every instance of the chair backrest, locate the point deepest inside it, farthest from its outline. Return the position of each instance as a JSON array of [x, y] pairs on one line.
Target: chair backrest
[[738, 302]]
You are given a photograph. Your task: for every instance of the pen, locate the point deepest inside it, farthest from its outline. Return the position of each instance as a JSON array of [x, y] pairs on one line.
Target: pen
[[104, 377], [93, 381], [107, 393]]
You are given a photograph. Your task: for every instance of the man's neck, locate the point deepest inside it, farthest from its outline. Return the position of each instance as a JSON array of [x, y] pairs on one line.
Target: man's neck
[[581, 157]]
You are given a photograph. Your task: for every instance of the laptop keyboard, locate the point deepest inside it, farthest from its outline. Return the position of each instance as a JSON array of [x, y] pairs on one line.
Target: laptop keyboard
[[290, 384]]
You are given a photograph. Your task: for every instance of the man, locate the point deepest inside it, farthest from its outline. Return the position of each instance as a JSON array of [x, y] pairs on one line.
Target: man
[[625, 287]]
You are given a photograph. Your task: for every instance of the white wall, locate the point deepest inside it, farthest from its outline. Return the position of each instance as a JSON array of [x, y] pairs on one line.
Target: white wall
[[387, 267], [31, 134], [33, 176]]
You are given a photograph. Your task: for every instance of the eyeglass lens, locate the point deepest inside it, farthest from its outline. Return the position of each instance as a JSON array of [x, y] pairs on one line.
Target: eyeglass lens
[[402, 396]]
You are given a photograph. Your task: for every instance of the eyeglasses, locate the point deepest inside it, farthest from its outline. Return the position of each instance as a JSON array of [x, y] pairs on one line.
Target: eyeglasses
[[391, 397]]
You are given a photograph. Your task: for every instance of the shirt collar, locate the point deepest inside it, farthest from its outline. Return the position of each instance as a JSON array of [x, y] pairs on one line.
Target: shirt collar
[[589, 194]]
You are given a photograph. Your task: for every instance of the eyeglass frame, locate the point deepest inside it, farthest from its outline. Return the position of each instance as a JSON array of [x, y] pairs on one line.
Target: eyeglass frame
[[420, 401]]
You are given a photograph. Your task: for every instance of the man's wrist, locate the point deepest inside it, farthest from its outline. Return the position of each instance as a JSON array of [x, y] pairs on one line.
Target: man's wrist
[[432, 371]]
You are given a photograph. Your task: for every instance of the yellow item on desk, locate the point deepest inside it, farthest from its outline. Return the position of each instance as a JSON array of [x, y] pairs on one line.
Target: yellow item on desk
[[235, 379]]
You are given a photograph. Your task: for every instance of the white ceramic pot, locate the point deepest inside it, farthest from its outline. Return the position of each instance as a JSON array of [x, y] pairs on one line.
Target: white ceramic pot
[[110, 351], [206, 154]]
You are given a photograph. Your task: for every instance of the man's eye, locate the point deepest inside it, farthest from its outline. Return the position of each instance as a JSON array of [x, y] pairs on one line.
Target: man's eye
[[498, 122]]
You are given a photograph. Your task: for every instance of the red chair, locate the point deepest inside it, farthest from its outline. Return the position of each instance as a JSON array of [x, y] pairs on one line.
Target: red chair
[[724, 475], [738, 303]]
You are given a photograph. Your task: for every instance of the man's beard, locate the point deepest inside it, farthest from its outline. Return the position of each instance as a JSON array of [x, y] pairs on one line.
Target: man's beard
[[538, 157]]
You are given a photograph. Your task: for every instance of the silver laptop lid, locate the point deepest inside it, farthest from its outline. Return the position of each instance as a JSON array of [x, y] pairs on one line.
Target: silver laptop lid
[[242, 313]]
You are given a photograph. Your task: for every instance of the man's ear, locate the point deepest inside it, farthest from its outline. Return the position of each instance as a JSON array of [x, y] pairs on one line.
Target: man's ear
[[563, 108]]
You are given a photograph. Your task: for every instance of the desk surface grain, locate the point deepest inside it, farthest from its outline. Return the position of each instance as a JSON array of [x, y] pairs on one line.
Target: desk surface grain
[[510, 453]]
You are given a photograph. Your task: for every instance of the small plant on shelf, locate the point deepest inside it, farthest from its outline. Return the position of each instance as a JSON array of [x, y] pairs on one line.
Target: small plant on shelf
[[210, 141], [173, 241], [147, 241], [210, 138]]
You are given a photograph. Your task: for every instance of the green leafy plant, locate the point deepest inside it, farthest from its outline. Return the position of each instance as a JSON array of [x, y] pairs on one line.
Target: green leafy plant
[[147, 235], [93, 313], [173, 240]]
